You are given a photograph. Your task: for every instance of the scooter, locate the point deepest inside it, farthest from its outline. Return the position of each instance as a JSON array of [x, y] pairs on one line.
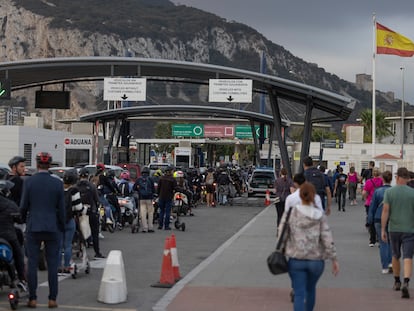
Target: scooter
[[8, 273], [129, 213], [107, 220]]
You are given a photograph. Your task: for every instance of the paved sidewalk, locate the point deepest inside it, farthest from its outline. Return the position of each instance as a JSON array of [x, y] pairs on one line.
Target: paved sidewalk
[[235, 276]]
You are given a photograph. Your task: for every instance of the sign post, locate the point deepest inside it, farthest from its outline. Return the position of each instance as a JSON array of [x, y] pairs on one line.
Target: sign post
[[230, 90], [188, 130], [5, 89], [121, 89]]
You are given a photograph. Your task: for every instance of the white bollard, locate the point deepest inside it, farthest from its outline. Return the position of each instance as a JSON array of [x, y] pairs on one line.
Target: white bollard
[[113, 288]]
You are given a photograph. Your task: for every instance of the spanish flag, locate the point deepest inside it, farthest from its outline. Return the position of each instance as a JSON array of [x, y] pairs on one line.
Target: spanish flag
[[390, 42]]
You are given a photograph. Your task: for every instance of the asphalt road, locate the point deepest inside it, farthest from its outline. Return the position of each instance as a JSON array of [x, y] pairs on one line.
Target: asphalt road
[[142, 255]]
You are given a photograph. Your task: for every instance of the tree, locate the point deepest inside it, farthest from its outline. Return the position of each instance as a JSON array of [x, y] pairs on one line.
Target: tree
[[296, 134], [163, 130], [382, 126]]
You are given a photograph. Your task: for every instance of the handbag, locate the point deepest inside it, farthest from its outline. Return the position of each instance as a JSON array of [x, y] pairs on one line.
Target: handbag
[[276, 261], [84, 226]]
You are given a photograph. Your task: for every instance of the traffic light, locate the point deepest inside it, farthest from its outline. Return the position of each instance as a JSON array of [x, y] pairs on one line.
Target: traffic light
[[5, 91]]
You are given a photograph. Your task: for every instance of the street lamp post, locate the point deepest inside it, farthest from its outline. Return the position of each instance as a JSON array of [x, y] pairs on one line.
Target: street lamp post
[[402, 113]]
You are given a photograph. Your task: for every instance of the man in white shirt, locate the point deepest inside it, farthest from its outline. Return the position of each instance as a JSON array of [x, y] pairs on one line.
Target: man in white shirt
[[294, 198]]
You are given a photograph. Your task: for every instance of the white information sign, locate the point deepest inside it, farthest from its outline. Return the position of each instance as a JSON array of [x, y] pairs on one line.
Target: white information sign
[[129, 89], [230, 90]]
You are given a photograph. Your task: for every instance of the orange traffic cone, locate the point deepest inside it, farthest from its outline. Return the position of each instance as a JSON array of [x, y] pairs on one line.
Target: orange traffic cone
[[174, 257], [267, 199], [167, 274]]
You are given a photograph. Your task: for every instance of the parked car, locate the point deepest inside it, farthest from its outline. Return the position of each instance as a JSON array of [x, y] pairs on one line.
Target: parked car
[[262, 179], [155, 166], [92, 169], [60, 170]]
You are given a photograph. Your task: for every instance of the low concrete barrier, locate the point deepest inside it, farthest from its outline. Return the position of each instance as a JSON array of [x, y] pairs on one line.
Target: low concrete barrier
[[113, 288]]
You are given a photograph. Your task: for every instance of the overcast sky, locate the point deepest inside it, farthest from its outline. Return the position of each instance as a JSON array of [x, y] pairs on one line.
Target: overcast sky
[[335, 34]]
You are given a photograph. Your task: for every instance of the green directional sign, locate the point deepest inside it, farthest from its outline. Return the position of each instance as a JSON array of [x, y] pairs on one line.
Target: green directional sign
[[5, 89], [188, 130], [245, 131]]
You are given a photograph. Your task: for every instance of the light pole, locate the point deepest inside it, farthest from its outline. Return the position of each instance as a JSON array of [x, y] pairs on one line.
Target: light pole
[[402, 113]]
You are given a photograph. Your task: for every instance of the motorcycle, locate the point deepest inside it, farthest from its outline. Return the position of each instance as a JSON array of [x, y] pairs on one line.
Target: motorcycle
[[129, 213], [8, 273], [107, 220]]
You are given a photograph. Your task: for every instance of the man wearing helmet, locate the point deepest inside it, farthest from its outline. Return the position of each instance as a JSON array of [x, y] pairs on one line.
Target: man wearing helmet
[[107, 187], [7, 230], [90, 200], [17, 167], [144, 185], [42, 208]]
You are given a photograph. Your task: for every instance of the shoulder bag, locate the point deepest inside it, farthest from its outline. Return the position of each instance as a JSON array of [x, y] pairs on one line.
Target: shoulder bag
[[277, 261]]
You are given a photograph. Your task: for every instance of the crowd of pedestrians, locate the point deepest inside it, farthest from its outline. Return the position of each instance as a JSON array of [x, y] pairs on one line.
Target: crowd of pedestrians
[[48, 206], [389, 212]]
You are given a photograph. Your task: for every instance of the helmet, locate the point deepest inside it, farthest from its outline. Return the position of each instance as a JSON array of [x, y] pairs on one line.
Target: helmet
[[145, 170], [44, 158], [111, 173], [83, 172], [100, 167], [5, 186], [178, 174], [16, 160], [3, 173], [125, 175], [70, 177]]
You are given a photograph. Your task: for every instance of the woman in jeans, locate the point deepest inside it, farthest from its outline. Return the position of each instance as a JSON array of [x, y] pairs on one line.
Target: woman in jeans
[[353, 180], [308, 243], [73, 204]]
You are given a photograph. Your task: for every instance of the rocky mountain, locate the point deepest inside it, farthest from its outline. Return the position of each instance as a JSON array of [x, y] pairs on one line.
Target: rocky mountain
[[154, 29]]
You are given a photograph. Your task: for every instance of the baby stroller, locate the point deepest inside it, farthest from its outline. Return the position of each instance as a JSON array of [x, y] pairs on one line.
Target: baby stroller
[[79, 244]]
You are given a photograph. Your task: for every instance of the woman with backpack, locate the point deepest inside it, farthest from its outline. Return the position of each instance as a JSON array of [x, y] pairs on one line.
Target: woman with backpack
[[210, 187]]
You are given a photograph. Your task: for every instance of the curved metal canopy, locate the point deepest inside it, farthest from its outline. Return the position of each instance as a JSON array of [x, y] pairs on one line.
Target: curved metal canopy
[[36, 72], [173, 111]]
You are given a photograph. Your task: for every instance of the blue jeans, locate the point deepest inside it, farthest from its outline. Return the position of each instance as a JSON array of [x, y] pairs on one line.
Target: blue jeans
[[66, 243], [384, 248], [52, 242], [165, 212], [304, 275]]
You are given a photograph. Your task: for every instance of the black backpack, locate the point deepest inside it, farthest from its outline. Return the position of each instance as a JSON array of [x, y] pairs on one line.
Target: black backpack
[[124, 188], [317, 178], [144, 187]]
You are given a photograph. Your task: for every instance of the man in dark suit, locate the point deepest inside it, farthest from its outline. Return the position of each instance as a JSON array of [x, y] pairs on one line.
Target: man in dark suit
[[43, 209]]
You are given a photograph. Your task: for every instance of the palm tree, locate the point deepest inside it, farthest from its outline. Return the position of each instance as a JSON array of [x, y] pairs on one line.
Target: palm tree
[[382, 126]]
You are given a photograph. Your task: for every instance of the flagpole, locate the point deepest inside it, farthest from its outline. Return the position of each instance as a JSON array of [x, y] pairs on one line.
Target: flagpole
[[402, 114], [373, 86]]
